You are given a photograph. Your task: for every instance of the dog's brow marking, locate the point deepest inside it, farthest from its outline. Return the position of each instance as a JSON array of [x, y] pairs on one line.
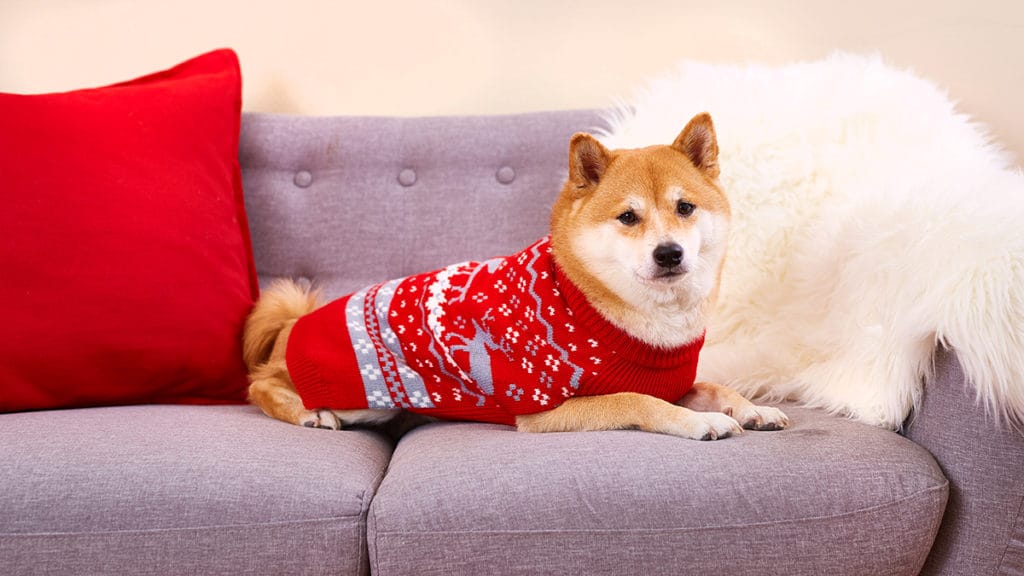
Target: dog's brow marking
[[634, 204]]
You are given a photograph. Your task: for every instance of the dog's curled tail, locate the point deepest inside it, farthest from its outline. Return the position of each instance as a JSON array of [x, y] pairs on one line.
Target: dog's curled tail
[[279, 306]]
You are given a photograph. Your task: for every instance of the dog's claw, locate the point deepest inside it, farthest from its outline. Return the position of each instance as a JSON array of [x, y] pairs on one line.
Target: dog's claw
[[322, 419]]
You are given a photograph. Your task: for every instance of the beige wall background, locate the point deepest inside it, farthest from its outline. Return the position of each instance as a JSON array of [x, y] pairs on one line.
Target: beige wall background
[[405, 57]]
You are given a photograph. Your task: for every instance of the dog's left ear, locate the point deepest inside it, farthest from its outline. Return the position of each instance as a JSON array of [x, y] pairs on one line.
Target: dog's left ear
[[699, 143], [588, 160]]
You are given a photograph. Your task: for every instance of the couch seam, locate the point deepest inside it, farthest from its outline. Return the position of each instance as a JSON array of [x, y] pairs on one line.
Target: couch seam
[[374, 562], [363, 510], [366, 501], [247, 525], [371, 509], [925, 492], [1010, 537]]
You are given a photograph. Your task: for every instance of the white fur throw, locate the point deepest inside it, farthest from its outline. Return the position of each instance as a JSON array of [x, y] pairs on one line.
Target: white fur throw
[[871, 224]]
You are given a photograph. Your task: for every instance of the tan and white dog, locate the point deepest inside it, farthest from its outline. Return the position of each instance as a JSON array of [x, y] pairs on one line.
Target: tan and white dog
[[633, 262]]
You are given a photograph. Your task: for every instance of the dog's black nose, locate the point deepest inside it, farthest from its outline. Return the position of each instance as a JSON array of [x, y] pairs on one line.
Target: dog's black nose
[[668, 255]]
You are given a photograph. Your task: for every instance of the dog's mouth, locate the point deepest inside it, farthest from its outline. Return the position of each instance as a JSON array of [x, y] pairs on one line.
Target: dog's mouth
[[664, 276]]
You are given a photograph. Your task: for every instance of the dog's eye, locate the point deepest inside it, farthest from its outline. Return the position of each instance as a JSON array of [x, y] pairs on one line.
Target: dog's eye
[[685, 208], [629, 218]]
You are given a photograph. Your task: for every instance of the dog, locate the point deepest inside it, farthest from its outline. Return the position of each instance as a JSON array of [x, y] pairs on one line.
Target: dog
[[597, 326]]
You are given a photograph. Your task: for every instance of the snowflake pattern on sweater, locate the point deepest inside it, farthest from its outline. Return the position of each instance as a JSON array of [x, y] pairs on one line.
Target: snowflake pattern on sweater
[[483, 341]]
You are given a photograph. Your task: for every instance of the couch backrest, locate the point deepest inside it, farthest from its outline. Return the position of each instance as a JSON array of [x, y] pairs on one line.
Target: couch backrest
[[352, 201]]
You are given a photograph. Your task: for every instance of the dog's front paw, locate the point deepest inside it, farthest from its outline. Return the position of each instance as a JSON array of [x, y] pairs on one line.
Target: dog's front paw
[[762, 418], [716, 425], [321, 419], [705, 426]]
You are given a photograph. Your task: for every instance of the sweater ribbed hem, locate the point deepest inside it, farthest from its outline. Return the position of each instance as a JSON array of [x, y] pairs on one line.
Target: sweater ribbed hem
[[625, 345], [314, 390]]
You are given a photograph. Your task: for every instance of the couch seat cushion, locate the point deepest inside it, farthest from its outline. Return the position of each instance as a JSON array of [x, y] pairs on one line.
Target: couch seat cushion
[[182, 490], [828, 496]]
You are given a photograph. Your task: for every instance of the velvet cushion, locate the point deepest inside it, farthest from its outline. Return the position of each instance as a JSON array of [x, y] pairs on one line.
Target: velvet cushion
[[127, 261]]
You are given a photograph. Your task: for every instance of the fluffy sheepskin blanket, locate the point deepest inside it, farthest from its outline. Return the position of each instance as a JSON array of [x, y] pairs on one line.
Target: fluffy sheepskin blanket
[[871, 224]]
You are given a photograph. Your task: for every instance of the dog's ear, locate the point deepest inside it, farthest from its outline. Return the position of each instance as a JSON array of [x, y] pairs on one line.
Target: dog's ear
[[588, 160], [699, 143]]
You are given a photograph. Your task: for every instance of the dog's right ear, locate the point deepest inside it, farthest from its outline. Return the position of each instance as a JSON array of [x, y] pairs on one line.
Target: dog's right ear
[[699, 143], [588, 160]]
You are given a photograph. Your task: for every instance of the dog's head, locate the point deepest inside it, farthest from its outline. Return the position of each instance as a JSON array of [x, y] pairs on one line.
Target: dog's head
[[643, 229]]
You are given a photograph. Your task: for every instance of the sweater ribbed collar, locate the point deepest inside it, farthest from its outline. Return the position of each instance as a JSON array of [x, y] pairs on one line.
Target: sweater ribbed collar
[[617, 340]]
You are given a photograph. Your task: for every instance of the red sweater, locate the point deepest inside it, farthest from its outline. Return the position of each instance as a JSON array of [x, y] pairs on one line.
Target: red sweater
[[483, 341]]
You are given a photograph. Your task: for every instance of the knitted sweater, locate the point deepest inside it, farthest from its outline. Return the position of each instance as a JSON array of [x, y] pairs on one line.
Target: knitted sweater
[[483, 341]]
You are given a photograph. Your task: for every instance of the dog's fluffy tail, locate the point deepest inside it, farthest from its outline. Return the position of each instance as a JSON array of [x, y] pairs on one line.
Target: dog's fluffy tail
[[282, 303]]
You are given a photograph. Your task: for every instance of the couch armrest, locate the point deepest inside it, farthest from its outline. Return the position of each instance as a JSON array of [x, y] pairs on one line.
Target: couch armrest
[[982, 531]]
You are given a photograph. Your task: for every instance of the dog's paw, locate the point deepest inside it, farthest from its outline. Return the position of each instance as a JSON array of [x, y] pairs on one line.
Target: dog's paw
[[717, 426], [324, 419], [762, 418], [705, 426]]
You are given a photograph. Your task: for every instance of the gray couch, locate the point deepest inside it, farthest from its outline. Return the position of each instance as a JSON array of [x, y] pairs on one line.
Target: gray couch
[[350, 201]]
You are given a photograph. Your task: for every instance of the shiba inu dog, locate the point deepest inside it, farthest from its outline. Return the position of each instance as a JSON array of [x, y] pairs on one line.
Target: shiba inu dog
[[595, 327]]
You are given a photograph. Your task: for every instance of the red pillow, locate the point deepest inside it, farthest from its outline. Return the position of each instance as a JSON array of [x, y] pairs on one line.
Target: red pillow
[[125, 253]]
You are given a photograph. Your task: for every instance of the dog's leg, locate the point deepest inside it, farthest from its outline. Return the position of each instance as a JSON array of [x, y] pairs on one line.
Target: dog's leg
[[628, 410], [713, 397], [271, 389]]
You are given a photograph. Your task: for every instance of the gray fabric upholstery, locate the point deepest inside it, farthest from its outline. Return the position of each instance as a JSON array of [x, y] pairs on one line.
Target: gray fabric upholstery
[[353, 201], [182, 490], [827, 497], [983, 529]]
